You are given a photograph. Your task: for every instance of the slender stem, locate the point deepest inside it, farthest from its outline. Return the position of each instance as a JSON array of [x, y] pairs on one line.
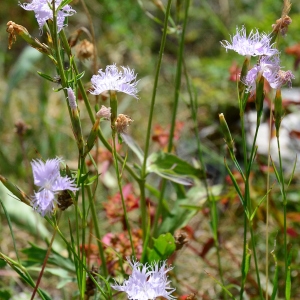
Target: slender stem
[[97, 230], [246, 204], [149, 128], [174, 112], [46, 258], [114, 113], [267, 204], [284, 207]]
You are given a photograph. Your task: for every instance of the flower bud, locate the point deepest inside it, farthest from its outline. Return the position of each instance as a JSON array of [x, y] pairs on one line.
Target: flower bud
[[226, 132], [104, 113]]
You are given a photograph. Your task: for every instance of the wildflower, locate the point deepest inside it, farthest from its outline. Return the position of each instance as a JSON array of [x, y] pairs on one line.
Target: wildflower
[[104, 112], [71, 98], [147, 282], [253, 45], [282, 78], [47, 177], [269, 68], [43, 12], [114, 80]]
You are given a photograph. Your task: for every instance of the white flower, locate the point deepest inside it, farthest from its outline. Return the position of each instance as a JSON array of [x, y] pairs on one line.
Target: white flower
[[147, 282], [114, 80], [43, 12], [253, 45], [47, 177]]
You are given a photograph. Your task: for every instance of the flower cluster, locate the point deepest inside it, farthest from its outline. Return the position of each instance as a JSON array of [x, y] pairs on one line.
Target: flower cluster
[[114, 80], [43, 12], [47, 177], [147, 282], [259, 44]]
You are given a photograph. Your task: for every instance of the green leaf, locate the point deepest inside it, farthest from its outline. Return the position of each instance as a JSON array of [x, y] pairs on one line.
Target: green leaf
[[36, 255], [173, 168], [133, 146], [47, 77], [5, 294], [163, 247]]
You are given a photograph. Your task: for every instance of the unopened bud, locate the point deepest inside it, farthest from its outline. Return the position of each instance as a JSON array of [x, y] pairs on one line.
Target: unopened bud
[[71, 98], [226, 132], [92, 137], [104, 113], [260, 95]]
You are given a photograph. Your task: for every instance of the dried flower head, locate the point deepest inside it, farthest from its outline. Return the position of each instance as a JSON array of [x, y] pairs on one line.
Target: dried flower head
[[47, 177], [281, 26], [43, 12], [104, 112], [114, 80], [21, 128], [84, 50], [147, 282], [253, 45], [122, 122]]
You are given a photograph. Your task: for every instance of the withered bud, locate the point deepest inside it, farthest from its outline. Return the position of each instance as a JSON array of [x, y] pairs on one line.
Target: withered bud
[[64, 200], [191, 297], [122, 122], [84, 50], [181, 238], [21, 128], [281, 26], [90, 284], [159, 4], [104, 113], [13, 29]]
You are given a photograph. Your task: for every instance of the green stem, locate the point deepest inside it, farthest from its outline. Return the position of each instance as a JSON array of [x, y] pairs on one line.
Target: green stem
[[149, 128], [114, 106], [174, 112], [284, 207], [97, 230]]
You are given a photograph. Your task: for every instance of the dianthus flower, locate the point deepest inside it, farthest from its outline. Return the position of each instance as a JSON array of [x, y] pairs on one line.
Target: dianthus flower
[[47, 177], [253, 45], [114, 80], [43, 12], [282, 78], [147, 282], [269, 68]]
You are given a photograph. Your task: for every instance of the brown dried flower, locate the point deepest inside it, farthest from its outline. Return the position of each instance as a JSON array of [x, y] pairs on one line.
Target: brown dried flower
[[84, 50], [122, 122]]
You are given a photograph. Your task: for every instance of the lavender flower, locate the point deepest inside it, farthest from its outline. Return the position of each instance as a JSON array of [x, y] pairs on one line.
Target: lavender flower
[[113, 79], [269, 68], [253, 45], [282, 78], [147, 282], [47, 177], [43, 12]]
